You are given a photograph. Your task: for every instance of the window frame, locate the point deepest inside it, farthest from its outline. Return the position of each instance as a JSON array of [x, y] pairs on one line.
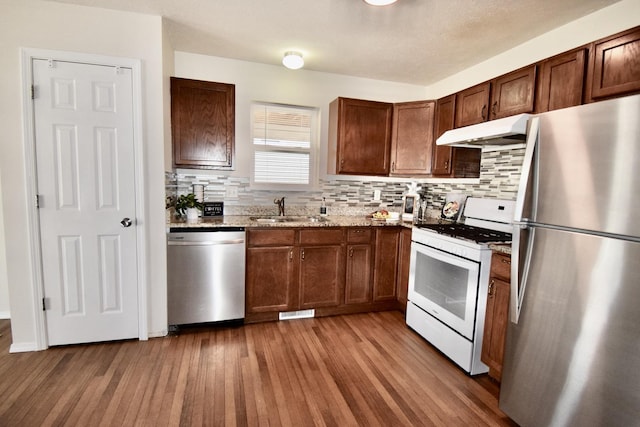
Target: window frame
[[312, 151]]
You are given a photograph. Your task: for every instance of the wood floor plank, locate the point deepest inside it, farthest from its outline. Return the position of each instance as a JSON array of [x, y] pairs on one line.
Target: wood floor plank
[[363, 369]]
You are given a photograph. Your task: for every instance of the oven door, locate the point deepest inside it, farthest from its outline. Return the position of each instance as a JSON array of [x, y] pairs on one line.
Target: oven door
[[445, 286]]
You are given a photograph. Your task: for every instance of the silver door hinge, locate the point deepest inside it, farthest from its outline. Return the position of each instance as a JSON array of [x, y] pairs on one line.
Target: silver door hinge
[[37, 201], [46, 304], [33, 92]]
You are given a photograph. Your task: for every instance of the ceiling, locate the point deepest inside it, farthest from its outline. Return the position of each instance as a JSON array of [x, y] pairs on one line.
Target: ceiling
[[413, 41]]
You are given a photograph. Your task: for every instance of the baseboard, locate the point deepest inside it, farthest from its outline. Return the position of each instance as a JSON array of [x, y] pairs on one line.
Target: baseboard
[[5, 315], [158, 334], [23, 347]]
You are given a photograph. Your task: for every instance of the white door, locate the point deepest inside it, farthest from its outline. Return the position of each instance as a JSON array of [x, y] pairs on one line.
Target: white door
[[85, 177]]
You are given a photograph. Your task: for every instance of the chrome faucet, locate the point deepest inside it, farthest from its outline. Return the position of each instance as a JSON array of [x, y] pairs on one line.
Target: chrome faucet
[[280, 203]]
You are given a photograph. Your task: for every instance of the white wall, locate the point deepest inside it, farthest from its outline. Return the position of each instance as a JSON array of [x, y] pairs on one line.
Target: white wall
[[269, 83], [4, 282], [602, 23], [47, 25]]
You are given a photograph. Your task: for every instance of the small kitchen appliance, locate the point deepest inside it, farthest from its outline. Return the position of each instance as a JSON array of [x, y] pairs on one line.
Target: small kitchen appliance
[[449, 279]]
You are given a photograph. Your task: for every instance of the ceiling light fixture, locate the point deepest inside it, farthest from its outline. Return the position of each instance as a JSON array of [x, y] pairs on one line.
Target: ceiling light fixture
[[380, 2], [293, 60]]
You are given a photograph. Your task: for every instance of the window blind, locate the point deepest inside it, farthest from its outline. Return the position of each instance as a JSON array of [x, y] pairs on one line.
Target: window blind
[[283, 140]]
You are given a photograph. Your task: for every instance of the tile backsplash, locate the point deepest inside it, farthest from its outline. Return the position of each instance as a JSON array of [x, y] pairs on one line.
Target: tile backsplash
[[499, 176]]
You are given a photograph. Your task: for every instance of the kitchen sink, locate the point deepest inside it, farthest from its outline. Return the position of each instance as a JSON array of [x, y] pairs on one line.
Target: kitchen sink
[[277, 219]]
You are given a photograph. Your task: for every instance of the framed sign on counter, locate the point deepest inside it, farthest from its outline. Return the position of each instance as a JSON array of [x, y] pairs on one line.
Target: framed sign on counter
[[408, 207]]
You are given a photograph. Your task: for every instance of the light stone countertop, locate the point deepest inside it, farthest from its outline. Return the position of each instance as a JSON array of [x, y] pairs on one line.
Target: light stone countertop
[[245, 221], [503, 248]]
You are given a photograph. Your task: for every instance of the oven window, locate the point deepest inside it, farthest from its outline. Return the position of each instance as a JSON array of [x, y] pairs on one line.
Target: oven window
[[442, 283]]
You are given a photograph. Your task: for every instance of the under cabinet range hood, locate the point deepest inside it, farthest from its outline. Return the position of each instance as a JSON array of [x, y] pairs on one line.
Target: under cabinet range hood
[[507, 133]]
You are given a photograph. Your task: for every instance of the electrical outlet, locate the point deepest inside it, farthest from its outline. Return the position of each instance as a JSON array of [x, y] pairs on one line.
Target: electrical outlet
[[231, 193], [376, 195]]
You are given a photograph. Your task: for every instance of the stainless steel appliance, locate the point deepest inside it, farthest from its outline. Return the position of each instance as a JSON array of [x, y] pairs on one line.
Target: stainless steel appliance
[[449, 277], [205, 269], [572, 355]]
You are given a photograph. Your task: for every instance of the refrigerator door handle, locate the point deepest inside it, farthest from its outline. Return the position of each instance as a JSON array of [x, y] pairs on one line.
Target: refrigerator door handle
[[525, 176], [520, 266]]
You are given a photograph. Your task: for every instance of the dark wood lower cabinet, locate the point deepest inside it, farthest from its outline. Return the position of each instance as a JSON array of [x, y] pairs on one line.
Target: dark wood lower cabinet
[[386, 264], [321, 276], [497, 315], [270, 279], [358, 277], [332, 270], [404, 258]]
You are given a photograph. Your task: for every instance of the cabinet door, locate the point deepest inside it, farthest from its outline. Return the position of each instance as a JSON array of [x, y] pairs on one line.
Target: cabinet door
[[614, 66], [444, 121], [321, 276], [358, 278], [361, 136], [202, 124], [495, 326], [386, 263], [270, 279], [472, 105], [404, 256], [561, 81], [412, 138], [513, 93]]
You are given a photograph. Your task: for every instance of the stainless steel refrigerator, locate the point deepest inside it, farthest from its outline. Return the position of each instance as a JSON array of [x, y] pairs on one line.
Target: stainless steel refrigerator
[[572, 353]]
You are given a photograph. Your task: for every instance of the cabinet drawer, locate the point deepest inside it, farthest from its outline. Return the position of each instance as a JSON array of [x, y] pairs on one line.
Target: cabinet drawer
[[358, 235], [501, 266], [285, 237], [332, 236]]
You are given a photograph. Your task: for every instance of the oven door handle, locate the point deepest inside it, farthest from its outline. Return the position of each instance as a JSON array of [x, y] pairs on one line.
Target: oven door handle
[[520, 265]]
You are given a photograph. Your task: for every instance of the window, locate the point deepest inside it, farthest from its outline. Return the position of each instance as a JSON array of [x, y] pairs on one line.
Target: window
[[284, 145]]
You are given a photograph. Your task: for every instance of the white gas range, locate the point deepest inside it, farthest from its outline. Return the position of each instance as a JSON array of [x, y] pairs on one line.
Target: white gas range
[[449, 279]]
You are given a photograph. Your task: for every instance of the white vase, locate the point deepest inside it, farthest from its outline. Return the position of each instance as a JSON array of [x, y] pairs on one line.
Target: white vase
[[192, 214]]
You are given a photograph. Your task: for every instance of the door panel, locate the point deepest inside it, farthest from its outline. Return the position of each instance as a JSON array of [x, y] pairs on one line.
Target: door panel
[[576, 346], [587, 170], [85, 178]]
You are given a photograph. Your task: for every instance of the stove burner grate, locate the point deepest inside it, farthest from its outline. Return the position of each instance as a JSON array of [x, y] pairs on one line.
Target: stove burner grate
[[469, 232]]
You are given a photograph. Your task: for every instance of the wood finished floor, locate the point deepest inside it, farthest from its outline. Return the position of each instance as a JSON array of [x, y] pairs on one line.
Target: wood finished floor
[[367, 369]]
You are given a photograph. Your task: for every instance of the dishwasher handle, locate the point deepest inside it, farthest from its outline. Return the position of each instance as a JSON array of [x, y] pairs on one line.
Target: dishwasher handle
[[204, 243]]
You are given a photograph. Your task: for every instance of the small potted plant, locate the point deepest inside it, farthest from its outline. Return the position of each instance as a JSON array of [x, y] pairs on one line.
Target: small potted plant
[[188, 205]]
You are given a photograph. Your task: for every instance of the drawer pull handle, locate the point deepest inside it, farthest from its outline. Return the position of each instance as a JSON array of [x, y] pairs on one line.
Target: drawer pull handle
[[491, 290], [506, 261]]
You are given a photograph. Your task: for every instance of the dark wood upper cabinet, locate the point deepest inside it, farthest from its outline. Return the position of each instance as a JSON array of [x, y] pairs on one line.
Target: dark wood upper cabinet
[[449, 161], [202, 124], [614, 66], [561, 81], [513, 93], [412, 138], [444, 121], [359, 137], [472, 105]]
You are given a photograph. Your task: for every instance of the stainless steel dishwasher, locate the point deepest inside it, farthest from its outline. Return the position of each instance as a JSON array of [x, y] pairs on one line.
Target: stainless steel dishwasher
[[205, 272]]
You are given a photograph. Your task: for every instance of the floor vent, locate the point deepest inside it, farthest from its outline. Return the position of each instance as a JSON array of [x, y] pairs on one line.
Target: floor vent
[[300, 314]]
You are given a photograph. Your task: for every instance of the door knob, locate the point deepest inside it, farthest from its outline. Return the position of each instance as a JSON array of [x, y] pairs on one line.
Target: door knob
[[126, 222]]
